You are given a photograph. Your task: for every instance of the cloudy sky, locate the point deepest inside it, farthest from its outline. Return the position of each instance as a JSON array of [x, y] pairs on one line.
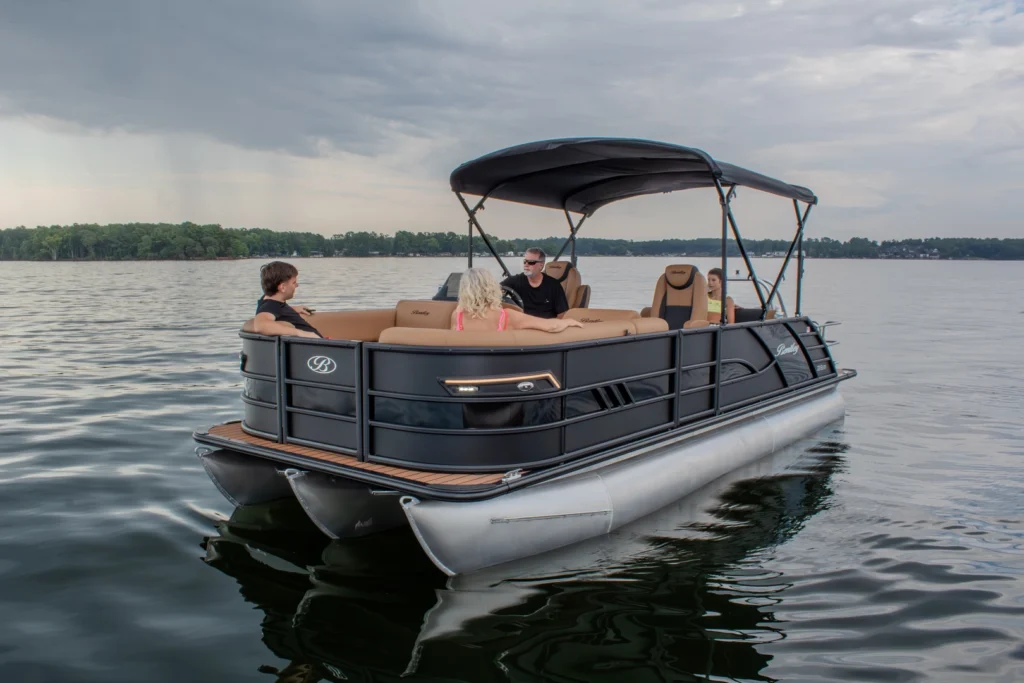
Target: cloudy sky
[[905, 117]]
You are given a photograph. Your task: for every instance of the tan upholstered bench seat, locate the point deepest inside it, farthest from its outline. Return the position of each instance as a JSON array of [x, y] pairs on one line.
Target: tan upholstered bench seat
[[604, 330], [429, 314], [351, 325], [411, 318], [600, 315]]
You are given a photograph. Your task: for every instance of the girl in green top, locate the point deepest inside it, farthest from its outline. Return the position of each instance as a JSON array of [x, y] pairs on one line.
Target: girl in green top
[[715, 299]]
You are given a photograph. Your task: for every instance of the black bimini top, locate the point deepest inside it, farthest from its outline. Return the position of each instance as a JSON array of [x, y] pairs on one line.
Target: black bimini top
[[583, 174]]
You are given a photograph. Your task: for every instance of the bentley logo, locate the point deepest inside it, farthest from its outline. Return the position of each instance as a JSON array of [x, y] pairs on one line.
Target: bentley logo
[[416, 311], [784, 350], [321, 365]]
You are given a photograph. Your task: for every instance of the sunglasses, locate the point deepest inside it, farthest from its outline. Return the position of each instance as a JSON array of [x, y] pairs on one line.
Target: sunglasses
[[528, 262]]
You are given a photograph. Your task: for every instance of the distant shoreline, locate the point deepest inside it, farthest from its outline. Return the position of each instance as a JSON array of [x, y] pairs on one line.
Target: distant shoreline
[[193, 242], [732, 257]]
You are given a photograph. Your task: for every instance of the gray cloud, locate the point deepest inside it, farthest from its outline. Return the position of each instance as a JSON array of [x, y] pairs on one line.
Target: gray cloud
[[261, 75], [897, 95]]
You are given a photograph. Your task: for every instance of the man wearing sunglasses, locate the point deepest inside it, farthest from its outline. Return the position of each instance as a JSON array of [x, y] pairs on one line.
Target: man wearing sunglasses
[[542, 295]]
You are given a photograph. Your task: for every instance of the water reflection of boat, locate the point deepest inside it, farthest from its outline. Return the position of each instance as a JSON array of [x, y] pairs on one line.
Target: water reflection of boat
[[675, 595]]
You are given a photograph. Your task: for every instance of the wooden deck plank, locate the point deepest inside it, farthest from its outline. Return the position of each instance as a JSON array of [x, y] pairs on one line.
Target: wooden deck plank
[[448, 479], [232, 431], [434, 477], [462, 480]]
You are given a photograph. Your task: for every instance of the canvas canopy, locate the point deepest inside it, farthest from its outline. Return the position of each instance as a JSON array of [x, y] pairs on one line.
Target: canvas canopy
[[583, 174]]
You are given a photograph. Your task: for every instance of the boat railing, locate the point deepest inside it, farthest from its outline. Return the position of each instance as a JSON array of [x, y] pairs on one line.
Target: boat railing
[[765, 287], [502, 409]]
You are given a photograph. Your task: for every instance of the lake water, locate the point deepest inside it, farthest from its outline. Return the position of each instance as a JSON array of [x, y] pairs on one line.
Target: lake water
[[889, 548]]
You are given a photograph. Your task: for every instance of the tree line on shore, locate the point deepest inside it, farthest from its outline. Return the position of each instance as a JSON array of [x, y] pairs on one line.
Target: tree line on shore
[[190, 241]]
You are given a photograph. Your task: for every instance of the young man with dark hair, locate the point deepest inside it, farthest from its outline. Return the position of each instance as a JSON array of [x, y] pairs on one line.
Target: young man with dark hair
[[542, 295], [273, 314]]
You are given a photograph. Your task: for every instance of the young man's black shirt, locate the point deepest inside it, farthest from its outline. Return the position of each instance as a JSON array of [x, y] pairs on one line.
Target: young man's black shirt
[[285, 313], [546, 300]]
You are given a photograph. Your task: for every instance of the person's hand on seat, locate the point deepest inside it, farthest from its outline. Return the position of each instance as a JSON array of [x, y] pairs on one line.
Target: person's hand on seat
[[564, 323]]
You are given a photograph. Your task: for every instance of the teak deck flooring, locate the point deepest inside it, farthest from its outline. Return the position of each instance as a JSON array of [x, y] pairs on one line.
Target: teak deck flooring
[[232, 431]]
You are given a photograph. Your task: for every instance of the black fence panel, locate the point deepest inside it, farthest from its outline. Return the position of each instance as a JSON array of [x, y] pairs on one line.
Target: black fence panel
[[258, 364], [319, 390], [497, 409], [696, 374]]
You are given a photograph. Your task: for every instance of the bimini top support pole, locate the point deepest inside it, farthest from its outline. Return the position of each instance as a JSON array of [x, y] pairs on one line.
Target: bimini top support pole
[[801, 223], [797, 240], [800, 256], [473, 221], [573, 229], [723, 199], [743, 253]]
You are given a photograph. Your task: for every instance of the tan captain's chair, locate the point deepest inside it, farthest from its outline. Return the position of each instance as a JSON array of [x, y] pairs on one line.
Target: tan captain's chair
[[681, 297], [577, 294]]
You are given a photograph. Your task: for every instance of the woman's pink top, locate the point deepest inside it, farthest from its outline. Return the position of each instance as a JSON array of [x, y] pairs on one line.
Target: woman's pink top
[[502, 320]]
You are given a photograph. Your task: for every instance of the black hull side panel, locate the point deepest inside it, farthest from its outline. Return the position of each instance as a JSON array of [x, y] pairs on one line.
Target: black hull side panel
[[425, 491], [497, 409]]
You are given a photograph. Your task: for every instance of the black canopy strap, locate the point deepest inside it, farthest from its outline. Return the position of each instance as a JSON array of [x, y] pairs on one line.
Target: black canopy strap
[[473, 221], [801, 223], [573, 229]]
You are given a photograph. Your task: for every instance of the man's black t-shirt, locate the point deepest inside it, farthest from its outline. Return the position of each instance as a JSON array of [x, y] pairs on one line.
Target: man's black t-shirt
[[285, 313], [546, 300]]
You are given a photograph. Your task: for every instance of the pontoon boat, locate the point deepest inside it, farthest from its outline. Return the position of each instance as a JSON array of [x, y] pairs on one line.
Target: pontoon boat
[[495, 446]]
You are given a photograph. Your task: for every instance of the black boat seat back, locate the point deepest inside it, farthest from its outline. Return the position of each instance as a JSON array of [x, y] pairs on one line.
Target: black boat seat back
[[576, 293], [681, 297], [749, 315]]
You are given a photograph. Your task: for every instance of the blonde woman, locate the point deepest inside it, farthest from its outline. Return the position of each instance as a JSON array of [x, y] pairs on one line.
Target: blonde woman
[[480, 308]]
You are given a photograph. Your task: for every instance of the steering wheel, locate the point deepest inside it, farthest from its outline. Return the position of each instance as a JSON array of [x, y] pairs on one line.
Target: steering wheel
[[513, 296]]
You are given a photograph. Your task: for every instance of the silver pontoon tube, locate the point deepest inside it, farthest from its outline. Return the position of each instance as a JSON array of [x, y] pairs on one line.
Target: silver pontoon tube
[[464, 537], [470, 598]]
